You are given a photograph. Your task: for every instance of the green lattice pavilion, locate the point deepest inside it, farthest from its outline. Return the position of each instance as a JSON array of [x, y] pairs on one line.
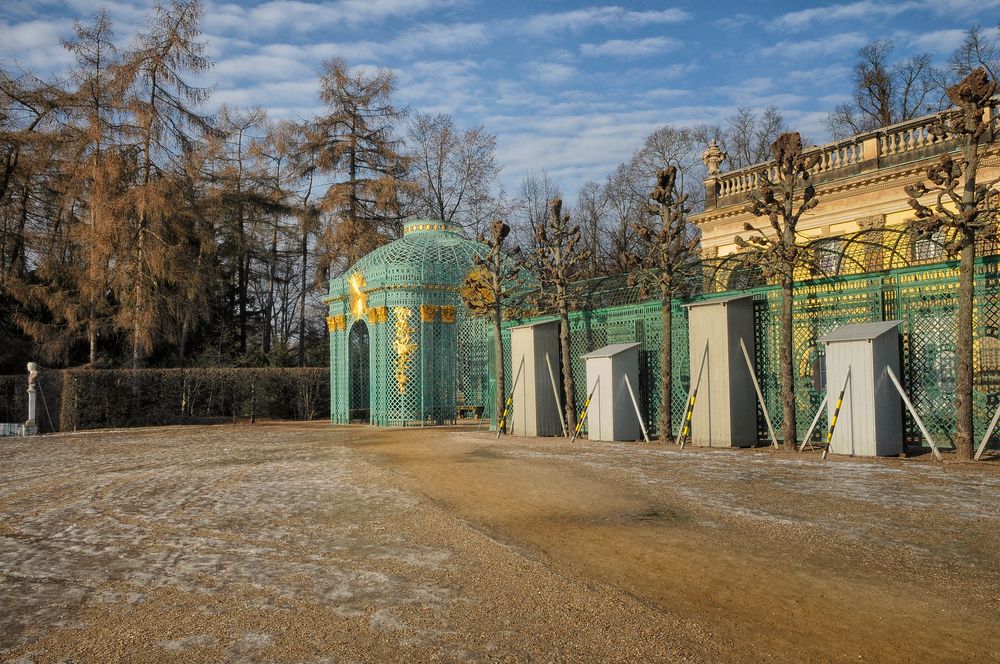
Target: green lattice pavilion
[[403, 349]]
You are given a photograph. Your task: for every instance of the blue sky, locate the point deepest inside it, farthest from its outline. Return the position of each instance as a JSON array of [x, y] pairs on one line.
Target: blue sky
[[569, 87]]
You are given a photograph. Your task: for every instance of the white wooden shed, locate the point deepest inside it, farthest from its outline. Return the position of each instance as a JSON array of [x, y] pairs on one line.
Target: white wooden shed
[[725, 410], [534, 348], [870, 422], [612, 415]]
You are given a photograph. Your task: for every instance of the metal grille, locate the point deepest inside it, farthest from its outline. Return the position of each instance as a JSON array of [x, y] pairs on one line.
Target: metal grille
[[881, 274], [358, 352], [427, 355]]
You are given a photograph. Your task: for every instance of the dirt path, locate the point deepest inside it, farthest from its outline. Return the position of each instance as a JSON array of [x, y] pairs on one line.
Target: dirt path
[[783, 559], [315, 543]]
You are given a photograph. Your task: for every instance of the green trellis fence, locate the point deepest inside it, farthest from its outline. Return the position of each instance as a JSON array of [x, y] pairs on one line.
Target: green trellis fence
[[923, 297]]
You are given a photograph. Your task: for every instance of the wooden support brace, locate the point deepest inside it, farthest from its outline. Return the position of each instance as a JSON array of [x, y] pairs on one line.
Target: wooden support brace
[[812, 427], [989, 432], [638, 414], [913, 412], [510, 399], [555, 393], [760, 394]]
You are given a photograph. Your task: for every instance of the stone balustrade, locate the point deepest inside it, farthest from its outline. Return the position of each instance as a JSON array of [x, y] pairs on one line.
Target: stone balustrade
[[907, 141]]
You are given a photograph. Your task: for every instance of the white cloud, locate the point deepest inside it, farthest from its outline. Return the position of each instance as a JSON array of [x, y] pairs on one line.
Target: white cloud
[[859, 12], [282, 99], [733, 22], [444, 86], [846, 42], [938, 41], [256, 68], [297, 16], [607, 17], [440, 37], [630, 48], [35, 45], [551, 72], [855, 11]]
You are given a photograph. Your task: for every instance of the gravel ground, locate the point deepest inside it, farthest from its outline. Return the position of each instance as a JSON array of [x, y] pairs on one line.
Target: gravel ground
[[306, 542]]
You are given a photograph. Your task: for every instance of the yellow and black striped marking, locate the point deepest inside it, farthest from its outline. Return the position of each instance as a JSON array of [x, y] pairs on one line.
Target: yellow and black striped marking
[[833, 420], [687, 420], [836, 413], [503, 418], [583, 415]]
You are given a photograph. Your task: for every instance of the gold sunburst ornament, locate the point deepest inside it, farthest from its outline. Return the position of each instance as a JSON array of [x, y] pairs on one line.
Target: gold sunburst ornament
[[359, 298]]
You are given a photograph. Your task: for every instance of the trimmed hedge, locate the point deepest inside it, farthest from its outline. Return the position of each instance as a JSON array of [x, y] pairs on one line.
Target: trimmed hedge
[[100, 398]]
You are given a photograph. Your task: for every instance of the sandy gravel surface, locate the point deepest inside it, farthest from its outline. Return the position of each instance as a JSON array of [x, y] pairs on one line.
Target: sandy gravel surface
[[296, 543]]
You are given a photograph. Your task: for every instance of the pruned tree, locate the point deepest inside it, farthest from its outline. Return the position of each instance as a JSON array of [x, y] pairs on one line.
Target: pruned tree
[[782, 199], [486, 291], [962, 208], [666, 263], [886, 93], [557, 259]]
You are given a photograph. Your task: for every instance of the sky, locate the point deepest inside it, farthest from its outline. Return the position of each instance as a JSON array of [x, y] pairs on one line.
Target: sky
[[568, 87]]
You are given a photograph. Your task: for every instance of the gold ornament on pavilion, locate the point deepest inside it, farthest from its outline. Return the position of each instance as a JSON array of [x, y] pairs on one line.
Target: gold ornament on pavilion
[[404, 345], [377, 315], [359, 298]]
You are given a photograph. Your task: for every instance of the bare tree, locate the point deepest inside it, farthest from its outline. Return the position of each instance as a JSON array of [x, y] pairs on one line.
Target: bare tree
[[746, 137], [962, 208], [778, 247], [591, 212], [886, 93], [665, 263], [453, 170], [486, 291], [626, 204], [557, 260], [980, 48], [530, 207]]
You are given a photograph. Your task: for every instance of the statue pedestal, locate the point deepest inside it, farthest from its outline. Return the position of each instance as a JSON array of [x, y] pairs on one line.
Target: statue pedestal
[[31, 426]]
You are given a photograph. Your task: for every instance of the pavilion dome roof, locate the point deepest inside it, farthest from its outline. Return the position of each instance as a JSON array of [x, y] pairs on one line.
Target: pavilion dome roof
[[430, 253]]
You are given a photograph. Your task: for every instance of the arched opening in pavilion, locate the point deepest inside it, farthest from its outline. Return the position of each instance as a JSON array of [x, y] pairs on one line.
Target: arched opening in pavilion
[[359, 366]]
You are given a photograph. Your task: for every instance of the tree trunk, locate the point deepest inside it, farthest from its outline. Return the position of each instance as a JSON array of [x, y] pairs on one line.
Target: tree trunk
[[788, 432], [501, 388], [666, 373], [567, 368], [271, 270], [185, 330], [302, 300], [92, 338], [963, 385]]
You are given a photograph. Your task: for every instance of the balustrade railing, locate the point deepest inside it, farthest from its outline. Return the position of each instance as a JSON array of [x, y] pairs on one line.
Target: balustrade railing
[[899, 139]]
